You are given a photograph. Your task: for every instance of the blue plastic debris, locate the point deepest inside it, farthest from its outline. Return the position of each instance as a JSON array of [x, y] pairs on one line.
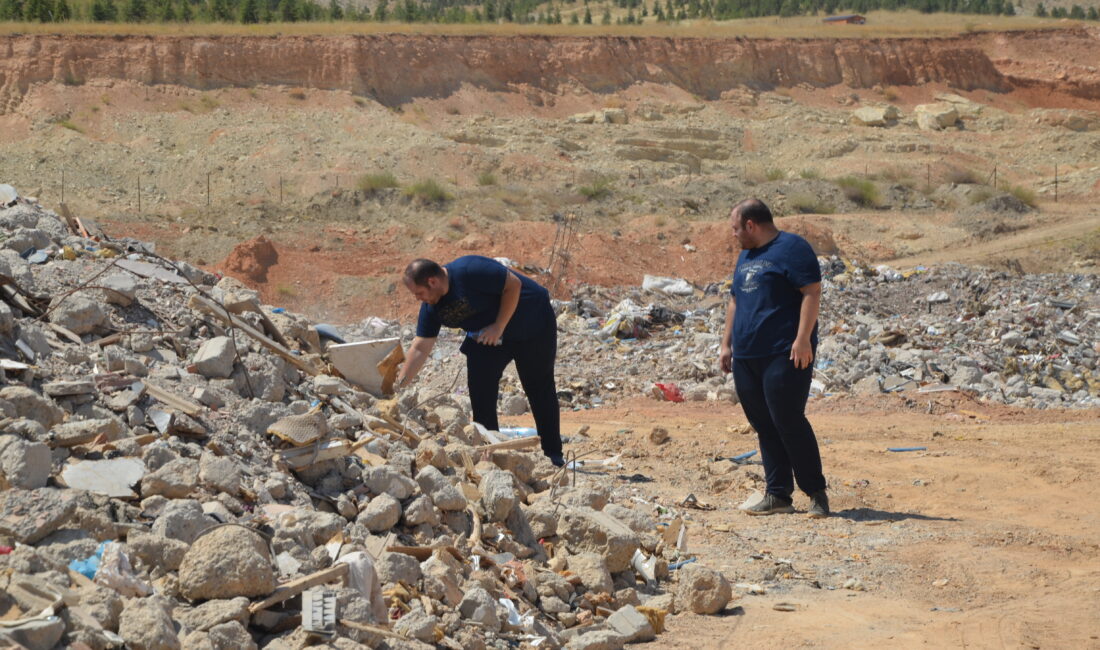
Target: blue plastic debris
[[677, 565], [329, 332], [906, 448], [511, 433], [745, 456], [88, 566], [278, 310]]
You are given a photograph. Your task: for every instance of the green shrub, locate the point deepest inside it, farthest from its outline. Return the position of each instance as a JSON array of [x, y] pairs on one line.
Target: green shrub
[[981, 194], [371, 183], [960, 176], [427, 191], [859, 191], [486, 178], [810, 174], [810, 204], [775, 174], [69, 124], [1027, 196], [599, 188]]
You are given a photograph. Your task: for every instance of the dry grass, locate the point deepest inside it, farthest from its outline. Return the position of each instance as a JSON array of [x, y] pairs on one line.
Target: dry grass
[[880, 24]]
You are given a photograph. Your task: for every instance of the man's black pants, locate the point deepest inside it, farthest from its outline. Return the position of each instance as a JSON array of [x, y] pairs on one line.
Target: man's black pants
[[535, 366], [773, 394]]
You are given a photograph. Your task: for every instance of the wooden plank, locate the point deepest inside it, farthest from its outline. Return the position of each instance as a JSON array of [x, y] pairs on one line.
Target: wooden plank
[[422, 553], [200, 303], [518, 443], [66, 333], [63, 210], [315, 453], [388, 368], [295, 587], [182, 404]]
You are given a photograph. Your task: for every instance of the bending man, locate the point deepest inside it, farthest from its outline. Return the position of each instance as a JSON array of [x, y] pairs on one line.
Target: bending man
[[769, 344], [507, 317]]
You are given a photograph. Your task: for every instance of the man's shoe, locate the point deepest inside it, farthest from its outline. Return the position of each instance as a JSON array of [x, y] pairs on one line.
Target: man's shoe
[[819, 505], [771, 504], [558, 461]]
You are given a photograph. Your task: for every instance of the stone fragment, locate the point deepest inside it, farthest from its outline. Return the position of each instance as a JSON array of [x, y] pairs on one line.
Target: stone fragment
[[27, 516], [874, 115], [213, 612], [397, 567], [439, 488], [418, 625], [119, 289], [381, 514], [215, 358], [702, 590], [220, 472], [421, 511], [936, 117], [586, 530], [597, 640], [226, 563], [24, 465], [309, 527], [156, 551], [182, 519], [632, 624], [513, 405], [592, 570], [386, 480], [479, 606], [175, 480], [145, 624], [498, 494], [32, 406], [230, 635], [78, 314]]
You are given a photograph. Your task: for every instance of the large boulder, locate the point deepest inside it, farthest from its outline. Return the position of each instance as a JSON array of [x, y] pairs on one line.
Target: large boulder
[[32, 406], [79, 314], [936, 117], [23, 464], [874, 116], [228, 562], [145, 624], [702, 590]]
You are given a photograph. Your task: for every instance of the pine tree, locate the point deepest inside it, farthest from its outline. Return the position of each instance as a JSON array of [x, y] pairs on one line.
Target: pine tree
[[187, 14], [575, 19], [166, 11], [606, 20], [1093, 14], [288, 10], [1040, 11], [250, 12], [11, 10], [37, 10], [1077, 12], [335, 11], [136, 11], [587, 16], [381, 12]]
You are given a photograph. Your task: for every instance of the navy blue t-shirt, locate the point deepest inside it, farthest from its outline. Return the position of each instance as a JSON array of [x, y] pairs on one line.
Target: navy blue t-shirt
[[766, 286], [472, 301]]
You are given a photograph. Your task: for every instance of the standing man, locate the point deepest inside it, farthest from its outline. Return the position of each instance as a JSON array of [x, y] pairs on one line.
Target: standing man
[[507, 316], [769, 344]]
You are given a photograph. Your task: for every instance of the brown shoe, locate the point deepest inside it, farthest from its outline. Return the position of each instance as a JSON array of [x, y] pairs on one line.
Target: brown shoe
[[771, 504], [819, 505]]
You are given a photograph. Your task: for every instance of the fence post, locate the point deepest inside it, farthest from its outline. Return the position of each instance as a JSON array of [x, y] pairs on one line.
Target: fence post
[[280, 189], [139, 191], [1055, 182], [208, 189], [62, 185]]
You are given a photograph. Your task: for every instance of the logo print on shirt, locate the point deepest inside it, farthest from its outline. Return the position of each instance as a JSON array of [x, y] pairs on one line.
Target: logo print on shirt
[[454, 313], [750, 274]]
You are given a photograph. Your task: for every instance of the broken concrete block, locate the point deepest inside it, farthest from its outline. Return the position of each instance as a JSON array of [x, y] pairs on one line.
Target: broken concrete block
[[328, 385], [592, 570], [513, 405], [638, 521], [418, 625], [386, 480], [498, 494], [597, 640], [182, 519], [221, 473], [439, 488], [24, 465], [27, 516], [175, 480], [934, 117], [64, 388], [156, 551], [230, 635], [587, 530], [145, 624], [397, 567], [381, 514], [115, 477], [33, 634], [215, 358], [702, 590], [78, 314], [226, 563], [632, 624], [32, 406], [478, 606], [421, 511], [119, 289], [309, 527], [211, 613]]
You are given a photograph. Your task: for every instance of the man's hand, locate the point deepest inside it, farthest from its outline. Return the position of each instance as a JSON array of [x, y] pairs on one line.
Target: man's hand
[[802, 353], [725, 359], [490, 335]]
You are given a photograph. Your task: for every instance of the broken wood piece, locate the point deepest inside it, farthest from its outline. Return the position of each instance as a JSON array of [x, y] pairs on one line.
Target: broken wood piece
[[63, 210], [355, 625], [206, 306], [66, 332], [311, 455], [182, 404], [422, 553], [388, 368], [518, 443], [109, 340], [298, 585]]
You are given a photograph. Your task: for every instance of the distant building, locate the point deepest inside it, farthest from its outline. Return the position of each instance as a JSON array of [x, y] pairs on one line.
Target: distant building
[[848, 19]]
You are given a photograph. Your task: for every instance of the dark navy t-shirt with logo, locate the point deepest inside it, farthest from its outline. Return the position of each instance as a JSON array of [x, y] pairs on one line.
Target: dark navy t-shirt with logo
[[766, 285], [472, 301]]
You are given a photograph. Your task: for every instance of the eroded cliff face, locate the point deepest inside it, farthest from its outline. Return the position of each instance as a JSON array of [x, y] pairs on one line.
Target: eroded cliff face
[[396, 68]]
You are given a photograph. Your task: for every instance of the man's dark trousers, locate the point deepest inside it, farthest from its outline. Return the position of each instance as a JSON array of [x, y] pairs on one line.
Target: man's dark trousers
[[773, 394], [534, 359]]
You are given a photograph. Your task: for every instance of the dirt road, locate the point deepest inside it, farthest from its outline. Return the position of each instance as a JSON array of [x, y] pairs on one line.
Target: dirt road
[[988, 538]]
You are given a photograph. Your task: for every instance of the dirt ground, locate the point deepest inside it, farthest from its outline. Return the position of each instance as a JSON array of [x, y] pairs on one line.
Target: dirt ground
[[986, 539]]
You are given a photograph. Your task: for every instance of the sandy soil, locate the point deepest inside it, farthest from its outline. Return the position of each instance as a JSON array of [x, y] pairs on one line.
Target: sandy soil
[[986, 539]]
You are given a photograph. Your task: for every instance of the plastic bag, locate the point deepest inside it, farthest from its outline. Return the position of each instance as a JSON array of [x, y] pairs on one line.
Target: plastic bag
[[669, 391], [362, 576], [667, 286], [115, 572]]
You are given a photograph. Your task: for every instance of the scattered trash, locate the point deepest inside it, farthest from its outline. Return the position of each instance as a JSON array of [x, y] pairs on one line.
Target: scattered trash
[[785, 607], [319, 611], [676, 565], [743, 457], [115, 572], [668, 391], [89, 565], [902, 449]]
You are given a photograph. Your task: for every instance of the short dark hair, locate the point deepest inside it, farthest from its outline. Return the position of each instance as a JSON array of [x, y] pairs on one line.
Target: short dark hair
[[419, 270], [753, 210]]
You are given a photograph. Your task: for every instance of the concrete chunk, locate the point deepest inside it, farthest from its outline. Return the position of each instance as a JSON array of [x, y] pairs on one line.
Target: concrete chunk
[[23, 464], [632, 624], [498, 494], [587, 530], [226, 563], [702, 590], [79, 314], [215, 358], [30, 515]]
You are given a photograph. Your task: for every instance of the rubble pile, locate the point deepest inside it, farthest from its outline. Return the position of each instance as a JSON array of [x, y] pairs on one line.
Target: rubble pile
[[180, 467]]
